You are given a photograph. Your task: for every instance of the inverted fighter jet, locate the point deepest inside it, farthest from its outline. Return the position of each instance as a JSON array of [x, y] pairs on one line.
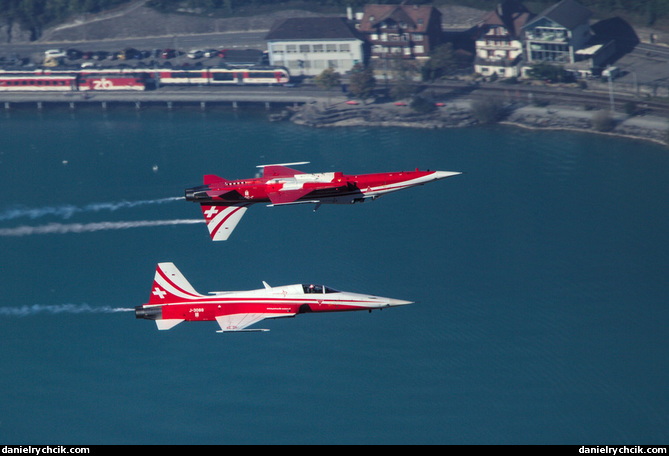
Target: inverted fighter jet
[[224, 202]]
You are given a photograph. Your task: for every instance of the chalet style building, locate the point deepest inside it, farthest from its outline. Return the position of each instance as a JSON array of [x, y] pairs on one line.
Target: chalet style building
[[557, 33], [309, 45], [408, 31], [499, 45]]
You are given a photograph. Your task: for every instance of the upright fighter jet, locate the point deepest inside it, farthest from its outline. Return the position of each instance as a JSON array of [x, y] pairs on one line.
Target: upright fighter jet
[[174, 300]]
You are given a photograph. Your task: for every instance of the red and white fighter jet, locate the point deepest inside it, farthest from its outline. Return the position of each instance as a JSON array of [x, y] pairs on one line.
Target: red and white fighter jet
[[224, 202], [174, 300]]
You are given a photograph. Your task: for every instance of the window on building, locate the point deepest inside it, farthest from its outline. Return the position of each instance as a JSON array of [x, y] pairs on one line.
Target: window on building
[[305, 48], [291, 48], [318, 48], [345, 47], [331, 48]]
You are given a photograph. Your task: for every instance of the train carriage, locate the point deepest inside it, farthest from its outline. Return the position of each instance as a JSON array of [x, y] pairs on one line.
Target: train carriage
[[249, 75], [113, 82], [183, 77], [224, 76], [37, 83]]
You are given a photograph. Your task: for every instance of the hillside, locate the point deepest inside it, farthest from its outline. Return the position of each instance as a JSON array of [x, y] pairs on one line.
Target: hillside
[[137, 20]]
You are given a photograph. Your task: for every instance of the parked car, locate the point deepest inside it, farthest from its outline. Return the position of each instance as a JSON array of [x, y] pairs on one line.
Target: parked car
[[195, 54], [210, 52], [128, 53], [169, 53], [55, 53], [74, 54]]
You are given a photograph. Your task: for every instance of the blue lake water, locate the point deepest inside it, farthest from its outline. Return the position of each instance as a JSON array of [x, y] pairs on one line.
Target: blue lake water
[[539, 275]]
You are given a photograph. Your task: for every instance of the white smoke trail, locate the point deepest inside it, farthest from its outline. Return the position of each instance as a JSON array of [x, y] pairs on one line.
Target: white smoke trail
[[35, 309], [68, 210], [61, 228]]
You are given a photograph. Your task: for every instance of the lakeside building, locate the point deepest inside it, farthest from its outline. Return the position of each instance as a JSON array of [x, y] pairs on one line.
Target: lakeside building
[[561, 34], [557, 33], [499, 45], [307, 46], [408, 31]]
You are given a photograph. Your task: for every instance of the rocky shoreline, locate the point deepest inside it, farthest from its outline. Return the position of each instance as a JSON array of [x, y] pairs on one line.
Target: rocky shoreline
[[460, 114]]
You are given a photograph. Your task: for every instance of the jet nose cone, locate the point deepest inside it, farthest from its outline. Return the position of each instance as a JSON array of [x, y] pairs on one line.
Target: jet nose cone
[[398, 302], [445, 174]]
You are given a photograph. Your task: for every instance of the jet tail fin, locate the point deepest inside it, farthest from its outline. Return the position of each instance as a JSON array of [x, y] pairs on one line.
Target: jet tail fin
[[170, 286], [222, 220]]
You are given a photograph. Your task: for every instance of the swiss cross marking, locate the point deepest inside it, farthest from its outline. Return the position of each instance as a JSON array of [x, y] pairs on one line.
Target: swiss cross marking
[[209, 213], [160, 293]]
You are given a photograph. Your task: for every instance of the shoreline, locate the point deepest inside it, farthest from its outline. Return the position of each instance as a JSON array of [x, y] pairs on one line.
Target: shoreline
[[334, 111], [459, 114], [635, 137]]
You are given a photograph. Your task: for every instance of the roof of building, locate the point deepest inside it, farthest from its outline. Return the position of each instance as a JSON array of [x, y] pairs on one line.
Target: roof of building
[[311, 28], [415, 17], [510, 14], [568, 13]]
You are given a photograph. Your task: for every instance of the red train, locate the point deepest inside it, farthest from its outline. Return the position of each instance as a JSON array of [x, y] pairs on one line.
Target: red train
[[93, 79]]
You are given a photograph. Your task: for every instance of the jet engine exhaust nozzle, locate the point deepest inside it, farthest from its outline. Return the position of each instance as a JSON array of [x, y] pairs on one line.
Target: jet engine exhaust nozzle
[[149, 313], [197, 193]]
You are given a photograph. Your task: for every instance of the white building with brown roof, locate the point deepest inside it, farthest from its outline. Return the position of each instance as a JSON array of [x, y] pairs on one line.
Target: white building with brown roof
[[499, 45]]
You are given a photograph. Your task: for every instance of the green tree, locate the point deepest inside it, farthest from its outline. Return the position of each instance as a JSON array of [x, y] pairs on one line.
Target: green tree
[[422, 106], [603, 121], [487, 111], [403, 72], [328, 79], [442, 62], [363, 82]]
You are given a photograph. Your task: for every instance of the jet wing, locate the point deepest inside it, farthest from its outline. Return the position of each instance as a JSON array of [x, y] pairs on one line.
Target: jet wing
[[222, 219], [239, 322], [291, 194], [288, 196], [272, 171]]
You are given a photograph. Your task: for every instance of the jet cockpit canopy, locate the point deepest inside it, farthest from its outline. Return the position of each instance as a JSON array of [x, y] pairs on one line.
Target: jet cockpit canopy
[[318, 289]]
